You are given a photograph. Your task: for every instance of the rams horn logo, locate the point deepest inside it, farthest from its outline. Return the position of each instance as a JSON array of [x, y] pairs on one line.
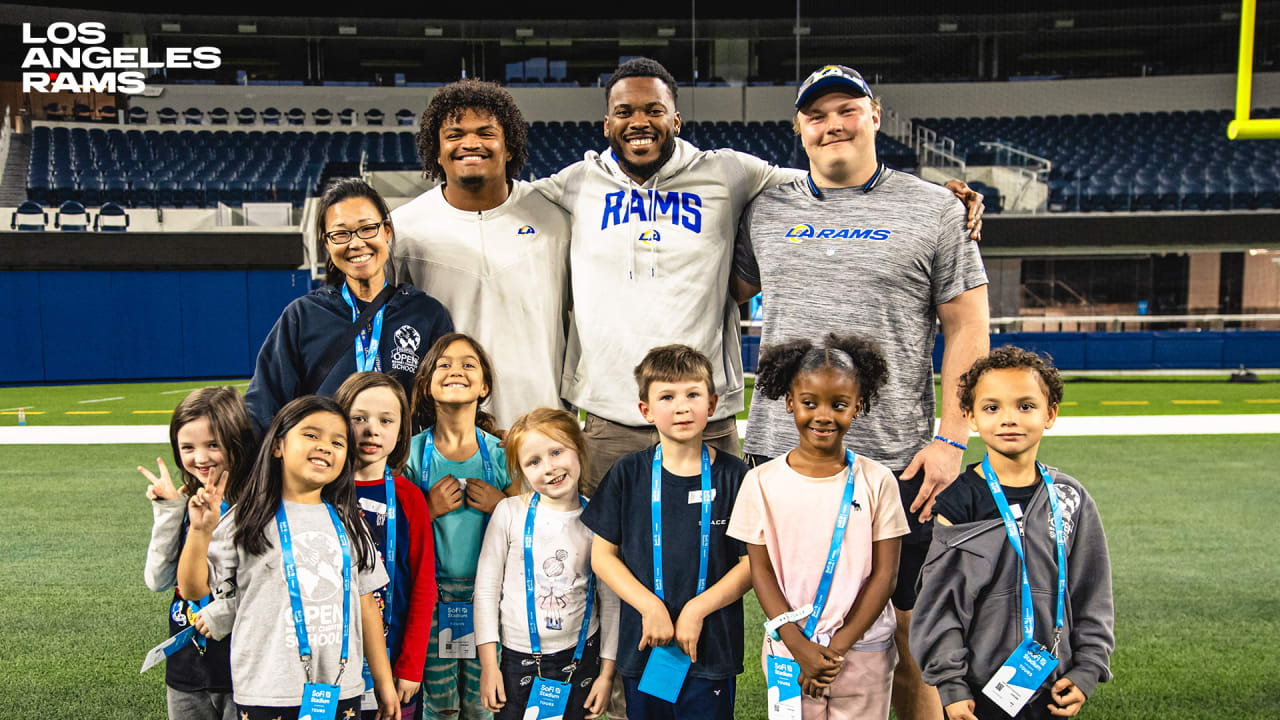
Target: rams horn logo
[[830, 70], [525, 230], [649, 237], [799, 232]]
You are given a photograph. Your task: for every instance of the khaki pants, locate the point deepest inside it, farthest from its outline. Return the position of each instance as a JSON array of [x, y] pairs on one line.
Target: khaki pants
[[607, 441]]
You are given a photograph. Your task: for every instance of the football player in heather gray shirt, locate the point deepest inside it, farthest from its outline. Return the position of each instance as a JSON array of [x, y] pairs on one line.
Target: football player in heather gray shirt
[[855, 247]]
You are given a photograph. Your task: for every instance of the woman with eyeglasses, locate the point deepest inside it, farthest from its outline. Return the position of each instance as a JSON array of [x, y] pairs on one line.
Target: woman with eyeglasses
[[325, 336]]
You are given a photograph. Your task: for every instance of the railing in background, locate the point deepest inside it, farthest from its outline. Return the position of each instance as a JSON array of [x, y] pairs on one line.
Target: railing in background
[[5, 134]]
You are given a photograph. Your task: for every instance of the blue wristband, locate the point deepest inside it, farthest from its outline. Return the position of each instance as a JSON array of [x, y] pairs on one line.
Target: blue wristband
[[950, 442]]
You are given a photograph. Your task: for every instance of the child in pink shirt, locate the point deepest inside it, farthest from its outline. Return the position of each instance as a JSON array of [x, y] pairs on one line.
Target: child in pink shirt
[[787, 512]]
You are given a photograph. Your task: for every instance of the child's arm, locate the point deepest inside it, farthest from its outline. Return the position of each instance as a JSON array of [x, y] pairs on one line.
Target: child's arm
[[491, 571], [937, 632], [873, 597], [407, 667], [657, 629], [167, 508], [818, 665], [598, 698], [727, 589], [204, 509], [375, 653]]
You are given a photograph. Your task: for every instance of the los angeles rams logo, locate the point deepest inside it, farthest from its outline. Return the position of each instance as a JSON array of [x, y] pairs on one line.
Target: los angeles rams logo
[[650, 237], [830, 70], [799, 232], [525, 230]]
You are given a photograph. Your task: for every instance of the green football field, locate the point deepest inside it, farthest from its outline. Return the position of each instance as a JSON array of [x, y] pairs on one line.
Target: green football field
[[1190, 523], [153, 403]]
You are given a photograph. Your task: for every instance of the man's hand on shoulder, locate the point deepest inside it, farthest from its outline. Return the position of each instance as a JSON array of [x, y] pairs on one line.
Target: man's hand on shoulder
[[972, 200]]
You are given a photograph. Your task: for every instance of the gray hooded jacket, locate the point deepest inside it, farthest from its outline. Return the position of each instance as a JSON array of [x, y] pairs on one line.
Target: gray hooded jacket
[[967, 620]]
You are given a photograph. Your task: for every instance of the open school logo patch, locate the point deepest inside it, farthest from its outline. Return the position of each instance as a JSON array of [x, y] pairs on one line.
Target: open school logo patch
[[405, 356]]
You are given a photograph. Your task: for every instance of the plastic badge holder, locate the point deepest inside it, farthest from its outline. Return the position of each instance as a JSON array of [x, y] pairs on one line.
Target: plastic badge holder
[[665, 672]]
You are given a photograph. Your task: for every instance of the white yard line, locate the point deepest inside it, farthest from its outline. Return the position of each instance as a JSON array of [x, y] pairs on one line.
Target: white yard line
[[175, 392], [118, 397], [1065, 427], [15, 409]]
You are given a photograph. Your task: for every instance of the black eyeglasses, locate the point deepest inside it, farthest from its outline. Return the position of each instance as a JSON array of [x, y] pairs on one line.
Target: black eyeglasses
[[364, 232]]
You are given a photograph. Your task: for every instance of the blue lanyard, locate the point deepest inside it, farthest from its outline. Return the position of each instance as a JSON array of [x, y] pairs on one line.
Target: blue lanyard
[[1015, 539], [295, 597], [389, 547], [366, 360], [534, 643], [704, 551], [429, 447], [833, 555]]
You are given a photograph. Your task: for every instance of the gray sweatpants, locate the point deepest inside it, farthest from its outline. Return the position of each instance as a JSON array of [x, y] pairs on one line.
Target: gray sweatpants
[[199, 705]]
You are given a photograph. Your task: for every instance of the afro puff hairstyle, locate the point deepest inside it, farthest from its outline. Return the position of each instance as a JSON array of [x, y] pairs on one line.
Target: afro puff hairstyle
[[1010, 357], [485, 98], [780, 364]]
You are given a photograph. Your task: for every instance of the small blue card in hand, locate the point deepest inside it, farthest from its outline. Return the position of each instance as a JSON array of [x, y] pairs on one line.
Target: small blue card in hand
[[665, 672]]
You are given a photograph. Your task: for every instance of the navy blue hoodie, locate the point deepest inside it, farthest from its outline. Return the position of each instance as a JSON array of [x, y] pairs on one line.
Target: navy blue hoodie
[[300, 339]]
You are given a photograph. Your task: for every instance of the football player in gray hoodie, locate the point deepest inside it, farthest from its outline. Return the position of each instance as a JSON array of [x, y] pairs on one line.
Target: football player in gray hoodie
[[965, 630], [653, 223]]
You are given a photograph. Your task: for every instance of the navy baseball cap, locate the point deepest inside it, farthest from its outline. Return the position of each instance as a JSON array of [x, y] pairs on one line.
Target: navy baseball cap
[[832, 77]]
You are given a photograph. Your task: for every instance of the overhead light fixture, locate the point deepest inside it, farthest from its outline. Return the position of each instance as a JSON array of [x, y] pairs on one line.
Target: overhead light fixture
[[524, 32], [346, 29], [666, 32], [1064, 23], [248, 27], [801, 30], [170, 27], [431, 31], [947, 27]]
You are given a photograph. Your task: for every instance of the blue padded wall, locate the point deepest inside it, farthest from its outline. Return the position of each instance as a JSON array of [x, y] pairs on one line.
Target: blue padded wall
[[23, 361], [215, 335], [147, 319], [78, 325]]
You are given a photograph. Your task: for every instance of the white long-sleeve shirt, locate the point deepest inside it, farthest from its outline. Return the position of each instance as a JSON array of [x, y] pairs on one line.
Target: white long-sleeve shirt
[[561, 566]]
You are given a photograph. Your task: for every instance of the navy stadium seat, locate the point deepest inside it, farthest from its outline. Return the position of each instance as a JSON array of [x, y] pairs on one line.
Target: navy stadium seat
[[246, 116], [271, 116], [167, 116], [405, 117], [296, 116], [373, 116], [29, 216], [322, 116], [193, 116], [111, 218], [71, 216], [219, 116]]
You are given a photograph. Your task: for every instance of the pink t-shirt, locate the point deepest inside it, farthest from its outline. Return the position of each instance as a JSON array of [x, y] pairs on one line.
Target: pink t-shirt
[[794, 516]]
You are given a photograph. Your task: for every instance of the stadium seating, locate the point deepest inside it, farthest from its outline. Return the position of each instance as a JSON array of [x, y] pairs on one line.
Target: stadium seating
[[271, 116], [1145, 162], [167, 116], [137, 115], [108, 113], [322, 116], [347, 116], [373, 116], [111, 218], [193, 116], [71, 216], [219, 116], [29, 216], [405, 117], [246, 116], [295, 116]]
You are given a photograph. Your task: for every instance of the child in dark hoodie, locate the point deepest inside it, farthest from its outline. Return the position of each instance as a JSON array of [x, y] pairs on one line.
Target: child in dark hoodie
[[1000, 541]]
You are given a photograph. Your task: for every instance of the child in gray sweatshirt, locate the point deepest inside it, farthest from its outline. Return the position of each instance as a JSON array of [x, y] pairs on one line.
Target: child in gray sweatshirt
[[1008, 530]]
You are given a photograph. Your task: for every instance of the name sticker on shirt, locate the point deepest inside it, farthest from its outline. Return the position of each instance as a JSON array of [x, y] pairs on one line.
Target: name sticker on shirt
[[457, 630], [547, 700], [695, 496], [784, 689], [1020, 676]]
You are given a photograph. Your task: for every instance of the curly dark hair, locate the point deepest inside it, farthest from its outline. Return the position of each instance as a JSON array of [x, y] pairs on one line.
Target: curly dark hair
[[780, 364], [640, 67], [451, 101], [1012, 357]]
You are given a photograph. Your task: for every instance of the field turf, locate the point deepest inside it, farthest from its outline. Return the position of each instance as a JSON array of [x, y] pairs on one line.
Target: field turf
[[1190, 523], [153, 403]]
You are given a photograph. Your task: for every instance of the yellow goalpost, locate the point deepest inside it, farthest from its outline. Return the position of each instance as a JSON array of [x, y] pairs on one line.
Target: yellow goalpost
[[1243, 127]]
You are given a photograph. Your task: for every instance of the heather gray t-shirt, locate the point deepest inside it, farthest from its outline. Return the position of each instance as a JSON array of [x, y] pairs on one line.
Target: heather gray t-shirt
[[265, 669], [876, 264]]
